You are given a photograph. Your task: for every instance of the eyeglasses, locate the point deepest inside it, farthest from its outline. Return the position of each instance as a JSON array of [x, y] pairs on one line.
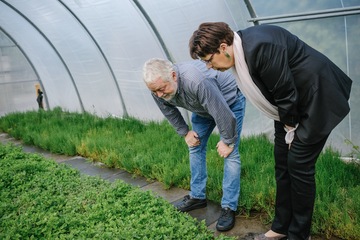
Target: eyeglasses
[[209, 60]]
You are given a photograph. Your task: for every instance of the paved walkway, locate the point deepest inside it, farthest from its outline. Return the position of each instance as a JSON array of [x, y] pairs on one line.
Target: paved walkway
[[210, 214]]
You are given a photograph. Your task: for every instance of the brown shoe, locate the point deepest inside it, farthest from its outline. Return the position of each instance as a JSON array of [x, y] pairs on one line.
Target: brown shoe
[[263, 237]]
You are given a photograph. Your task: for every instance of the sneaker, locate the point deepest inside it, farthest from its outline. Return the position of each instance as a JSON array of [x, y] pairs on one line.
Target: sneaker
[[189, 203], [226, 220]]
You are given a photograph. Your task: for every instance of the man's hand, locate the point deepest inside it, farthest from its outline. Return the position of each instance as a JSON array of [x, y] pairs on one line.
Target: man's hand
[[192, 139], [223, 149]]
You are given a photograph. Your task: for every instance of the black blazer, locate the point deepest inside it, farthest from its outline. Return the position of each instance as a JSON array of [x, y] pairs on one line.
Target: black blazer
[[304, 84]]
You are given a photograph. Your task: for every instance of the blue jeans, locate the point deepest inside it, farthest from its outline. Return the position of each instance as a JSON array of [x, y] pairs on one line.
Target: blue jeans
[[232, 166]]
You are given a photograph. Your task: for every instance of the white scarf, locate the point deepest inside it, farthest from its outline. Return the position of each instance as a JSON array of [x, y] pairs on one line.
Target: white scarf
[[247, 85], [251, 91]]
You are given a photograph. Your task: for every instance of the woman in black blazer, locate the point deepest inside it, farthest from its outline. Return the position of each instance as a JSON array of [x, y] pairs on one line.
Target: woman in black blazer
[[301, 89]]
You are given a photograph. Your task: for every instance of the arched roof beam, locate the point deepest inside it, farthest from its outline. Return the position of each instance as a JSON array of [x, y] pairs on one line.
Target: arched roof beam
[[52, 46], [102, 54], [156, 32], [335, 12]]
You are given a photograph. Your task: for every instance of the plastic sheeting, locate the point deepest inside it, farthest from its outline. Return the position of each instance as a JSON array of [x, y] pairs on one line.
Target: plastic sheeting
[[335, 36], [87, 55]]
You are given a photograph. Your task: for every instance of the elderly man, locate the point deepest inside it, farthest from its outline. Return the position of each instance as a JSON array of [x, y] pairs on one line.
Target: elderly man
[[214, 100]]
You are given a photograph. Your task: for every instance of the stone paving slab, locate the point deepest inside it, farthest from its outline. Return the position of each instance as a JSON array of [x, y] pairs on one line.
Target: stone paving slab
[[57, 158], [92, 169], [175, 195], [210, 213], [137, 181], [79, 163], [5, 139], [171, 195], [244, 226], [32, 149]]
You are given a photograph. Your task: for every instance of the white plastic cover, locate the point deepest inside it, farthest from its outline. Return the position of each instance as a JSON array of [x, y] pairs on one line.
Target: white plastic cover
[[87, 55]]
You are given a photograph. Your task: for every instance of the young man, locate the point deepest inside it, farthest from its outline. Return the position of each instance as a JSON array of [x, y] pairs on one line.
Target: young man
[[214, 100]]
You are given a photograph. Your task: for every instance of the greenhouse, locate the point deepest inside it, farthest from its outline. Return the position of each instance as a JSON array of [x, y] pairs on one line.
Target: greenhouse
[[87, 56]]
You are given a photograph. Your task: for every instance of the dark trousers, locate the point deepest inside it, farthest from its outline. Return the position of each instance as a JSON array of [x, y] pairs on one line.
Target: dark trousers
[[295, 184]]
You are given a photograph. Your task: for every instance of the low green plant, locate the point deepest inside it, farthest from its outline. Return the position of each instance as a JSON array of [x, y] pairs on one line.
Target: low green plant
[[155, 151], [41, 199]]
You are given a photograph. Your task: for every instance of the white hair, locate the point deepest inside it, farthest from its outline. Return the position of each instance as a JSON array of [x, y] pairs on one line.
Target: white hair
[[157, 67]]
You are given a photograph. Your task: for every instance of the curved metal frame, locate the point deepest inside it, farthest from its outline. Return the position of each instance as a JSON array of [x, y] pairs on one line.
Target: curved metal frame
[[31, 64], [335, 12], [53, 47], [102, 54]]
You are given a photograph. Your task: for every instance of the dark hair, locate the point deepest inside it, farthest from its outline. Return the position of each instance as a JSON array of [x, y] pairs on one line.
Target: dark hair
[[208, 37]]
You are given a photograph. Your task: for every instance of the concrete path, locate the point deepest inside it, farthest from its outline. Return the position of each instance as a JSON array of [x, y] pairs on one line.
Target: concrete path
[[210, 214]]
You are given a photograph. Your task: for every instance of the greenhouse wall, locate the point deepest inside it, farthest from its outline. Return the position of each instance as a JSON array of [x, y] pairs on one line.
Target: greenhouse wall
[[87, 55]]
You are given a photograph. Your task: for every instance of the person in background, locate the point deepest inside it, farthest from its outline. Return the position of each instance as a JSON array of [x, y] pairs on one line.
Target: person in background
[[39, 99], [300, 89], [214, 100]]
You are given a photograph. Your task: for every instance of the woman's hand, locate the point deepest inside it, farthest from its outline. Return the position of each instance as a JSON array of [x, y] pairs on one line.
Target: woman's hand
[[290, 133], [288, 128]]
